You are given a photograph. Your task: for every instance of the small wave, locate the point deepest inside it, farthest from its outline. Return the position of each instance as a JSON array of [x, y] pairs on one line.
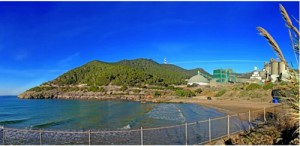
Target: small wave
[[12, 121], [181, 116], [50, 124], [166, 112], [126, 127], [6, 114], [133, 123], [17, 107]]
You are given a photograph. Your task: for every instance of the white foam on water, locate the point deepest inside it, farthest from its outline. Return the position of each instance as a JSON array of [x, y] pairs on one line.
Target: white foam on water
[[126, 127], [181, 114], [166, 112]]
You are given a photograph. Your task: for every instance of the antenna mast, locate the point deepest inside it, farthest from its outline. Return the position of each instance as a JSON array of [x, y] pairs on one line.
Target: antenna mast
[[165, 60]]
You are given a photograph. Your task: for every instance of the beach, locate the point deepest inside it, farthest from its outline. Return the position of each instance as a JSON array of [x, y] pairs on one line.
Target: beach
[[225, 105]]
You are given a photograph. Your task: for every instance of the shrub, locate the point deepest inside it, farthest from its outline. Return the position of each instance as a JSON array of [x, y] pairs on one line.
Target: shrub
[[184, 93], [101, 89], [123, 88], [171, 88], [243, 93], [156, 94], [136, 91], [220, 93], [48, 88], [36, 89], [268, 86], [174, 88], [253, 86], [39, 89], [157, 88], [283, 83], [198, 91], [72, 89], [255, 94], [93, 89], [144, 87]]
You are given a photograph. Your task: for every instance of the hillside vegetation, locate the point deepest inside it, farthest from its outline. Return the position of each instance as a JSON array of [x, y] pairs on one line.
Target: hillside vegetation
[[127, 72], [127, 79]]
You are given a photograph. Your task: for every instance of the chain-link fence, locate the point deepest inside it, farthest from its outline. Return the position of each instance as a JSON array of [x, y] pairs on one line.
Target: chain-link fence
[[199, 132]]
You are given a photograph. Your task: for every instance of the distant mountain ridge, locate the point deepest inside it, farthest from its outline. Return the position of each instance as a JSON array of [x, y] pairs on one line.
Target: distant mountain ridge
[[126, 72], [246, 75]]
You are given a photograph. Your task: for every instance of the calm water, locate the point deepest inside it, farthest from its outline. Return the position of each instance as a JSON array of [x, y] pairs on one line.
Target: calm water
[[95, 114]]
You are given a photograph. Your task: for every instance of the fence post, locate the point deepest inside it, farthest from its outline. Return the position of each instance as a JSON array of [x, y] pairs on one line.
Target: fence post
[[265, 114], [228, 126], [249, 120], [209, 130], [186, 134], [89, 137], [40, 136], [3, 137], [142, 143]]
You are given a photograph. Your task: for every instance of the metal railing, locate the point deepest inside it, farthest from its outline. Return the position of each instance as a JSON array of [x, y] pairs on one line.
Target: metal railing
[[199, 132]]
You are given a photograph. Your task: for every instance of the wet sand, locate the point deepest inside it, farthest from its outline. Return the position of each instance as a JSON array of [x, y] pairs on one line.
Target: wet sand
[[227, 106]]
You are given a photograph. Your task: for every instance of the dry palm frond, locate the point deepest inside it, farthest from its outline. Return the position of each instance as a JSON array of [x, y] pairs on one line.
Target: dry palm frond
[[288, 20], [272, 43]]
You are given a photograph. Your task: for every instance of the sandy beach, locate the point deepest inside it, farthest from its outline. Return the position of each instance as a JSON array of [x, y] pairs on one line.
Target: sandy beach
[[227, 106]]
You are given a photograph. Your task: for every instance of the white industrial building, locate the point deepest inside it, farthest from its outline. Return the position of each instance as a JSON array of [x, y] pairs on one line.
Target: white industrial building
[[272, 71]]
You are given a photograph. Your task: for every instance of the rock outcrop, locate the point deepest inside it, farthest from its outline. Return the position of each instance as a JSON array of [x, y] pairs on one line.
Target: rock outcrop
[[54, 94]]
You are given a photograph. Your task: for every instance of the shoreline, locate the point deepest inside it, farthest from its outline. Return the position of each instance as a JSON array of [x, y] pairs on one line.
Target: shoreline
[[226, 106]]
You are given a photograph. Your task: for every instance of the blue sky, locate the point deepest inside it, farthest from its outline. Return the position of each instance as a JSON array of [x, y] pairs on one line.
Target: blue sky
[[41, 40]]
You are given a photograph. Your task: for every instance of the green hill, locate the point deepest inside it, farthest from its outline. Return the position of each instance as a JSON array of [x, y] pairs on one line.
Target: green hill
[[126, 72]]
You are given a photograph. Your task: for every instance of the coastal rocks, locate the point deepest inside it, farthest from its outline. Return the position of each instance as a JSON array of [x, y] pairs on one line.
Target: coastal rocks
[[39, 95], [54, 94]]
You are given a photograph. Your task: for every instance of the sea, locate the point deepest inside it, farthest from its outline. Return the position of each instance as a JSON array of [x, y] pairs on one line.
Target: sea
[[61, 114]]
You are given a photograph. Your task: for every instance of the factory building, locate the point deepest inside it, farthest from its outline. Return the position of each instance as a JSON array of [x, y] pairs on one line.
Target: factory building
[[256, 75], [198, 80], [224, 76], [273, 71]]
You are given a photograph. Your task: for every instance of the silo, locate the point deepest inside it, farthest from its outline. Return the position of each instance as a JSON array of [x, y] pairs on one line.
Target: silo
[[272, 59], [281, 67], [267, 67], [274, 67], [262, 74]]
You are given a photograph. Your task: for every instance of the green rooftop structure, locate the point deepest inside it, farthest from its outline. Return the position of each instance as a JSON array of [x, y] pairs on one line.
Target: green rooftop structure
[[224, 75]]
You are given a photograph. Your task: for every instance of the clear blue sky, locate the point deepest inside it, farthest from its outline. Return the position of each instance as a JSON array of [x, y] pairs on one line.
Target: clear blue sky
[[40, 41]]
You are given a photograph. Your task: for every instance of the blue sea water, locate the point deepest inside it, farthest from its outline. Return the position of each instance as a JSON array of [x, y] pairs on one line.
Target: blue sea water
[[96, 114]]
